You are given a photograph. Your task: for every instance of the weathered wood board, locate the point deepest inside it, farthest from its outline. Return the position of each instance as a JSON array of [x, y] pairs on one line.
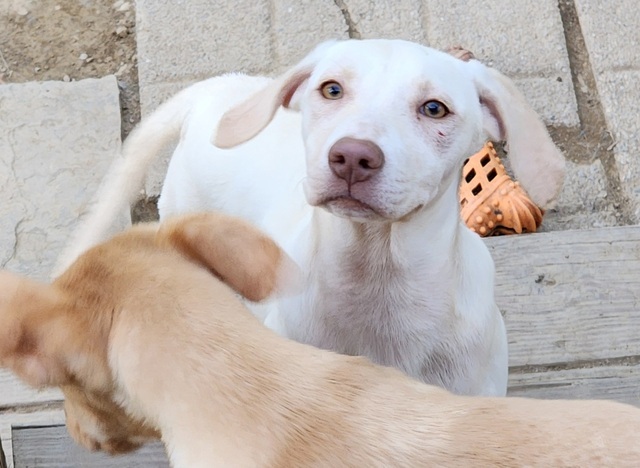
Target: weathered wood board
[[3, 460], [52, 447], [14, 393], [53, 416], [40, 440], [569, 296], [609, 382]]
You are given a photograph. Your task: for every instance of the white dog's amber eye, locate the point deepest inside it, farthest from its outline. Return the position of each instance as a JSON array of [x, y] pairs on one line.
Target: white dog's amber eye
[[434, 109], [331, 90]]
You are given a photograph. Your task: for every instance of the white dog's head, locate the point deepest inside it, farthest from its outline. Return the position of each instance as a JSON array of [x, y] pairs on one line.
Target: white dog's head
[[387, 125]]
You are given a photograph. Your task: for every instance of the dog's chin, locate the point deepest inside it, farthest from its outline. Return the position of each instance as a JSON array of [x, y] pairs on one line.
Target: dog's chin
[[350, 208], [356, 210]]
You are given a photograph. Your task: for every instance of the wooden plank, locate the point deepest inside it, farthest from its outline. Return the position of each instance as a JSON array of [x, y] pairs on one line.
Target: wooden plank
[[569, 296], [618, 382], [14, 393], [10, 420], [3, 460], [52, 447]]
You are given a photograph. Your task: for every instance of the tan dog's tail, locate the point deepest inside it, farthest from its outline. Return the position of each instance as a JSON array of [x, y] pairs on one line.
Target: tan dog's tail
[[27, 311], [125, 178], [238, 253]]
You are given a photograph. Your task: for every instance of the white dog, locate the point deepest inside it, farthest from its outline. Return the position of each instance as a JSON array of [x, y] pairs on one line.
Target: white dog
[[359, 185]]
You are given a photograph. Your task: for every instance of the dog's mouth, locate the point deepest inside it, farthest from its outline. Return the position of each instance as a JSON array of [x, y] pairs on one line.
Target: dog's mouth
[[349, 207]]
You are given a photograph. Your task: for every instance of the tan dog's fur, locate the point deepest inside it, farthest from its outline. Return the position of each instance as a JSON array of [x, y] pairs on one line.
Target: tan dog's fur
[[145, 341]]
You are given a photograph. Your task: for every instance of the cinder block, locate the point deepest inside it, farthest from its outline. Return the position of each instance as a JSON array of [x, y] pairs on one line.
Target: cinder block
[[57, 141], [522, 39], [183, 41], [583, 202], [611, 31], [388, 19], [301, 25], [620, 97]]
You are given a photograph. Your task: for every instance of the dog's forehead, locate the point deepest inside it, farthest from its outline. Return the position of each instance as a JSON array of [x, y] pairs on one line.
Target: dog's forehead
[[394, 63]]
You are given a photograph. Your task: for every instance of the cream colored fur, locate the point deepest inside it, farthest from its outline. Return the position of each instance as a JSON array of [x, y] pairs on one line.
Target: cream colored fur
[[146, 341], [390, 271]]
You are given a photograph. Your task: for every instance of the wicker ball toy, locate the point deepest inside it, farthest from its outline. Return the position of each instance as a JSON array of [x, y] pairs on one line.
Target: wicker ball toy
[[491, 202]]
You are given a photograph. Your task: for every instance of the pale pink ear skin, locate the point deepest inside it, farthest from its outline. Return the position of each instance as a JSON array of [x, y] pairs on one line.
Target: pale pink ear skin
[[536, 161], [250, 117], [245, 120]]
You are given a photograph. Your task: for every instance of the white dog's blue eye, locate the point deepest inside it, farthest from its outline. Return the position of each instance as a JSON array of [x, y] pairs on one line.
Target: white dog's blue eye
[[434, 109], [331, 90]]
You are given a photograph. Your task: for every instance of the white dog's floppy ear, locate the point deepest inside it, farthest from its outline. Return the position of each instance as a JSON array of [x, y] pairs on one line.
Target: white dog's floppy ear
[[536, 161], [245, 120], [237, 252]]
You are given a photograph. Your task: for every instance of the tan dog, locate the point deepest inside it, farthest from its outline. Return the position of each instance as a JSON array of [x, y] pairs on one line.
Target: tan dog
[[145, 341]]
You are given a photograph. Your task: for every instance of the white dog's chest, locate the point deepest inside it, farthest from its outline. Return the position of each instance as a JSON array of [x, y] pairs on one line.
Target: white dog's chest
[[396, 327]]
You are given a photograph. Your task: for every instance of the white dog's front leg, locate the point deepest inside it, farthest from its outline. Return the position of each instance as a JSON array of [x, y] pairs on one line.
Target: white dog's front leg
[[495, 383]]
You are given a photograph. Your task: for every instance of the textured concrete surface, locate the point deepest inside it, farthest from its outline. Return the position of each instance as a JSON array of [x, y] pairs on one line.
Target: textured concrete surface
[[523, 39], [612, 33], [388, 19], [195, 39], [57, 141], [620, 93], [296, 27], [583, 200]]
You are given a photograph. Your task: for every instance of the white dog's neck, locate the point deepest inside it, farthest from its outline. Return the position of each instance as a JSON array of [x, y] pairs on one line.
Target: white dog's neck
[[423, 242], [409, 267], [411, 251]]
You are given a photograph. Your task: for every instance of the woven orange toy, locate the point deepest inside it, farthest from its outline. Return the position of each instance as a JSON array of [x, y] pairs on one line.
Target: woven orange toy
[[491, 202]]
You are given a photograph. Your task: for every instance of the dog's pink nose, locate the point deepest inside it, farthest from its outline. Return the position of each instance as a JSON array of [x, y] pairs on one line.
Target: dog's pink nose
[[355, 160]]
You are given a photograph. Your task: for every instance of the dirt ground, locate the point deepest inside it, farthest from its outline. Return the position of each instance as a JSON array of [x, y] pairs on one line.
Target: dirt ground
[[70, 40]]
